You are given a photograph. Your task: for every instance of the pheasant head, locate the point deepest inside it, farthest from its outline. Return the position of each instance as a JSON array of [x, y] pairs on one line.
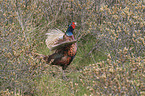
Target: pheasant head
[[71, 27]]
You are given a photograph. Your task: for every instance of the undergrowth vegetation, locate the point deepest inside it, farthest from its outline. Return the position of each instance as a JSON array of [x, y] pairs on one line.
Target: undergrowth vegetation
[[111, 47]]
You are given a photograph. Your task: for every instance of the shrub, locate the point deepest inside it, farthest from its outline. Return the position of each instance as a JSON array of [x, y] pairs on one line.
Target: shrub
[[110, 36]]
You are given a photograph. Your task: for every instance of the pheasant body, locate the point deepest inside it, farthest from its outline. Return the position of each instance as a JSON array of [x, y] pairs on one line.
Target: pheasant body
[[65, 48]]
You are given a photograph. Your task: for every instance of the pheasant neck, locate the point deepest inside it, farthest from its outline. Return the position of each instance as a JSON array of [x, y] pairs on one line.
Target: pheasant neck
[[68, 33]]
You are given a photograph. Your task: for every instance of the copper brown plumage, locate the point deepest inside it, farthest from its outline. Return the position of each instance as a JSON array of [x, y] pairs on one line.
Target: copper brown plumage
[[64, 47]]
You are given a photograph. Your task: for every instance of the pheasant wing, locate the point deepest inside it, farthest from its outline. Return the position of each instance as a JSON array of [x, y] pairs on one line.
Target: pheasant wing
[[62, 44]]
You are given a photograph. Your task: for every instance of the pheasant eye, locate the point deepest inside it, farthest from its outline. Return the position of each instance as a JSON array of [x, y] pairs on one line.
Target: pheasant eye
[[73, 23]]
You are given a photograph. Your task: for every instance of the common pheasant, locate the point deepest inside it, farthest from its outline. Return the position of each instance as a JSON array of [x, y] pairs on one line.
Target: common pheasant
[[64, 47]]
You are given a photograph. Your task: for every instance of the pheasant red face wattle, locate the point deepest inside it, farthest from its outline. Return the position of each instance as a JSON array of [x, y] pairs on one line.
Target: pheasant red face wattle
[[73, 25]]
